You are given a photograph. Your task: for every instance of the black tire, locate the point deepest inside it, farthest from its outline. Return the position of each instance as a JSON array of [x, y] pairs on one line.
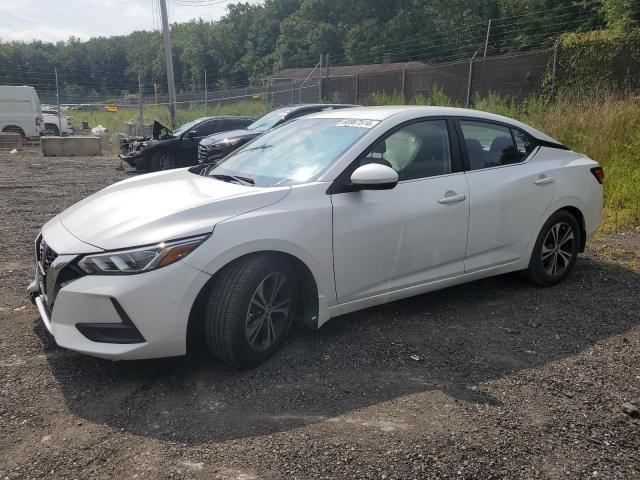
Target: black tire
[[561, 228], [232, 309], [162, 160], [51, 130]]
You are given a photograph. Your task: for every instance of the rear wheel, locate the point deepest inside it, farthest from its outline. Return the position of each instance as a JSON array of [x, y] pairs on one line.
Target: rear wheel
[[51, 130], [162, 160], [555, 251], [250, 310]]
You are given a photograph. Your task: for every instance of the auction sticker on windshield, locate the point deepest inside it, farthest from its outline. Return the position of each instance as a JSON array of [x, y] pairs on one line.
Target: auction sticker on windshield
[[358, 123]]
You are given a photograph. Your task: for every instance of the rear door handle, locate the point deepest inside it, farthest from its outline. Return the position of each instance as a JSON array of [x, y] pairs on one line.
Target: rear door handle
[[451, 197], [544, 181]]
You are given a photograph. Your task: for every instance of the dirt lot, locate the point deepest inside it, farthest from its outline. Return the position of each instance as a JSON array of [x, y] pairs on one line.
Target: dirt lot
[[511, 381]]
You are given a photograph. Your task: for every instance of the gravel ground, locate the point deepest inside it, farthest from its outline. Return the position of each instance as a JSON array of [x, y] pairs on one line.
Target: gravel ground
[[493, 379]]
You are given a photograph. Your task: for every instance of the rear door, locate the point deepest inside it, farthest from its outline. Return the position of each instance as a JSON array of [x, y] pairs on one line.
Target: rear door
[[509, 192]]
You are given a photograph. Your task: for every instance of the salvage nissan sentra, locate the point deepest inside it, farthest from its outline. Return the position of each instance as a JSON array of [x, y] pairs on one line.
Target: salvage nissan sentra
[[325, 215]]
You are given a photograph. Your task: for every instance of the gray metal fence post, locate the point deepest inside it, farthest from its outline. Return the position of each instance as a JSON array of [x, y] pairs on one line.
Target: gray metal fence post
[[320, 92], [205, 89], [486, 40], [404, 84], [468, 102], [58, 103], [141, 112], [292, 89], [355, 96], [553, 68]]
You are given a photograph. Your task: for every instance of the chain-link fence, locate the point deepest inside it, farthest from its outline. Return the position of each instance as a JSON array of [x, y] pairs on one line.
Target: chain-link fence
[[518, 75]]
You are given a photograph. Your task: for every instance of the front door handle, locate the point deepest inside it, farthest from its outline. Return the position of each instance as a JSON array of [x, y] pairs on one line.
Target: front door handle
[[452, 197], [544, 180]]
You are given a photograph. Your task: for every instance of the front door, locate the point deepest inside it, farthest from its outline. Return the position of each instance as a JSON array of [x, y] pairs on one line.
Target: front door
[[386, 240]]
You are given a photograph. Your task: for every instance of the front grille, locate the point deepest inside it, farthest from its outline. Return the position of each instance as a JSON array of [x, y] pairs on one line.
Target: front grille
[[203, 153], [53, 275], [209, 153], [47, 256]]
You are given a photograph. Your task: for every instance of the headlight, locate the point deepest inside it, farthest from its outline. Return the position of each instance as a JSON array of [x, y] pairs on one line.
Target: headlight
[[141, 259]]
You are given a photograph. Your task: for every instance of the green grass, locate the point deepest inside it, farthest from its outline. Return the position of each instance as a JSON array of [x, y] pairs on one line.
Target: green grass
[[604, 127], [115, 121]]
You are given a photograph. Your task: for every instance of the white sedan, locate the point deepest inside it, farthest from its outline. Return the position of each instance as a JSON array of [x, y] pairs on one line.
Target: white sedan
[[325, 215]]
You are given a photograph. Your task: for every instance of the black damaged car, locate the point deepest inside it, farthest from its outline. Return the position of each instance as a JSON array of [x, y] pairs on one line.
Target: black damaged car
[[167, 149], [217, 146]]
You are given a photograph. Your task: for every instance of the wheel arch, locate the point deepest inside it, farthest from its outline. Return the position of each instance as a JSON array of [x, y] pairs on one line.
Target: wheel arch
[[14, 128], [579, 216], [308, 301]]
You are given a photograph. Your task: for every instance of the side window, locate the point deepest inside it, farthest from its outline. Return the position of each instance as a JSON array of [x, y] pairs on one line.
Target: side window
[[300, 113], [208, 128], [524, 144], [416, 151], [488, 145], [235, 124]]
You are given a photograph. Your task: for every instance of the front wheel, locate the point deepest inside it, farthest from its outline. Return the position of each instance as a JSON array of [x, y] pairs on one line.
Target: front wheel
[[162, 160], [555, 251], [250, 310]]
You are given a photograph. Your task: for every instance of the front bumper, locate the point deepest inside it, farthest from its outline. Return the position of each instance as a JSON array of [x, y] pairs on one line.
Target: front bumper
[[99, 314], [212, 153], [131, 159]]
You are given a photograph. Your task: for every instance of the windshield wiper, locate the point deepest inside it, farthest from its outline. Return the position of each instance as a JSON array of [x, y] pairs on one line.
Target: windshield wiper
[[233, 178]]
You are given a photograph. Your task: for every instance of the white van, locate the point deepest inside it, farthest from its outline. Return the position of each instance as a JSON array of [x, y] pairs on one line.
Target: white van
[[20, 111]]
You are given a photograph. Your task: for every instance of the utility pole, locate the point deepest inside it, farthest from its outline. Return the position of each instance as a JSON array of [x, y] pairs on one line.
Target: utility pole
[[58, 102], [166, 40], [327, 66]]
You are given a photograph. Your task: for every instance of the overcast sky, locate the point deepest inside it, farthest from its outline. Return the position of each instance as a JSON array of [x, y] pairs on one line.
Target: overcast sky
[[55, 20]]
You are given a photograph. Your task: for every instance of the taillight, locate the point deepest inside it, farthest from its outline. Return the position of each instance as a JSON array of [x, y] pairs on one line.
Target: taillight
[[38, 121], [598, 172]]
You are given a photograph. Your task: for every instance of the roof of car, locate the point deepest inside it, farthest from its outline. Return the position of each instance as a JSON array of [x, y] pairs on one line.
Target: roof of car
[[383, 113], [225, 117], [293, 108]]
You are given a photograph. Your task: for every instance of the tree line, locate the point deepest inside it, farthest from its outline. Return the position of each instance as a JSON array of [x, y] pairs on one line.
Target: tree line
[[253, 40]]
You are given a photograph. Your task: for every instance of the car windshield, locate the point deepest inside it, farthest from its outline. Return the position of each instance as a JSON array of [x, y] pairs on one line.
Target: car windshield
[[268, 121], [185, 127], [297, 152]]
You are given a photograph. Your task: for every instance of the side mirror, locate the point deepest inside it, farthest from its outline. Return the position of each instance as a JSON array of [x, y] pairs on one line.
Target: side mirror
[[192, 134], [374, 176]]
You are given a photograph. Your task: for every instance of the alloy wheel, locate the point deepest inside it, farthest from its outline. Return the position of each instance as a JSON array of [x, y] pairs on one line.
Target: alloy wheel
[[269, 310], [557, 249]]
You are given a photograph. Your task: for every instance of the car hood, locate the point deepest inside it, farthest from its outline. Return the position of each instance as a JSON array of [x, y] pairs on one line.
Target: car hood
[[161, 206], [243, 135], [157, 129]]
